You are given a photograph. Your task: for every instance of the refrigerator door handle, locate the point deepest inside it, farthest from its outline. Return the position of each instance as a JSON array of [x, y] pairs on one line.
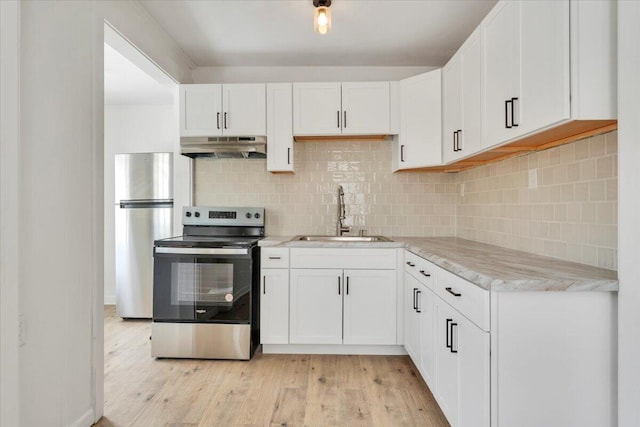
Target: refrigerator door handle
[[146, 203]]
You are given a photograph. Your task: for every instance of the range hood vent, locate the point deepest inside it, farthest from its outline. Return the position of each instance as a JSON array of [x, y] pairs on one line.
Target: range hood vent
[[224, 147]]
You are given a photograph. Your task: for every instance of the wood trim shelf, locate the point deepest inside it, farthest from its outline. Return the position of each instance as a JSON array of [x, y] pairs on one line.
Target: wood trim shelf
[[304, 138], [563, 134]]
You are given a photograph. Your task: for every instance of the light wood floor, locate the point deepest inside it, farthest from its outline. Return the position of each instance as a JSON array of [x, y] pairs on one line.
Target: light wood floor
[[269, 390]]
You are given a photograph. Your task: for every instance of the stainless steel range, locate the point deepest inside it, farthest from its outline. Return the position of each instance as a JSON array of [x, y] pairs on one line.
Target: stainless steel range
[[206, 283]]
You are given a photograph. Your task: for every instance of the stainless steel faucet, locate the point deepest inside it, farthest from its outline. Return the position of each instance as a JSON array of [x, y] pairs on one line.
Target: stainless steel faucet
[[341, 229]]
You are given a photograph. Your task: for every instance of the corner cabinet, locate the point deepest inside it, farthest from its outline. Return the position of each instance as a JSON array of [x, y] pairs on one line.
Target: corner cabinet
[[280, 127], [341, 108], [223, 110], [419, 143]]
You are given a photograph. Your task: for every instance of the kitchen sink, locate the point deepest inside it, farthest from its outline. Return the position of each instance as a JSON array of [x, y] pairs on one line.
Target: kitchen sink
[[343, 238]]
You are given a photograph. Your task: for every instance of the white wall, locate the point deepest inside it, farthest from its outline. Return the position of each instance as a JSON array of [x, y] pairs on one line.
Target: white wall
[[302, 74], [56, 184], [139, 129], [629, 212], [9, 217]]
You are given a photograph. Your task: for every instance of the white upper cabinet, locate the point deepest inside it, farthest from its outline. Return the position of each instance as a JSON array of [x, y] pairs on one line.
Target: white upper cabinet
[[316, 108], [200, 110], [419, 143], [341, 108], [279, 127], [216, 110], [501, 72], [462, 101], [244, 109], [365, 108], [527, 75]]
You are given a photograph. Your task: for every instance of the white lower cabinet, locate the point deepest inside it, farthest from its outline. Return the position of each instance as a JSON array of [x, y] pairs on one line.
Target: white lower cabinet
[[462, 352], [411, 319], [335, 306], [369, 307], [274, 306], [316, 306]]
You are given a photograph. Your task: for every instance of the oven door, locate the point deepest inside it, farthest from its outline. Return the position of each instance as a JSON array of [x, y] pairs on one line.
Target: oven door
[[202, 285]]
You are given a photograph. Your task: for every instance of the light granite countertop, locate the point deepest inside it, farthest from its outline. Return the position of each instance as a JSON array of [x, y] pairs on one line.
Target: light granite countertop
[[487, 266]]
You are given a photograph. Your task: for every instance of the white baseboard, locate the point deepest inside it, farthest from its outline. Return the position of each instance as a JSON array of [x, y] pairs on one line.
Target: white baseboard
[[86, 420], [109, 300], [333, 349]]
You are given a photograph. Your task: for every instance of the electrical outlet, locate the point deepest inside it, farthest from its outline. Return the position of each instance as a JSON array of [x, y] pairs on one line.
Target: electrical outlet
[[533, 178], [462, 190], [22, 330]]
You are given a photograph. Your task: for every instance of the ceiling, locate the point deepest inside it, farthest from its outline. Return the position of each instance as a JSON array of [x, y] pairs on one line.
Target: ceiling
[[280, 32], [126, 84]]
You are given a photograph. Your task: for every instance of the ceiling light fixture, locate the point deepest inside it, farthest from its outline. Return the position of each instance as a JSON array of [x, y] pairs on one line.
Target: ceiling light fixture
[[322, 16]]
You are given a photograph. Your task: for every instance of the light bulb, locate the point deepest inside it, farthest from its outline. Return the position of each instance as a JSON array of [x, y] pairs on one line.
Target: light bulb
[[322, 20]]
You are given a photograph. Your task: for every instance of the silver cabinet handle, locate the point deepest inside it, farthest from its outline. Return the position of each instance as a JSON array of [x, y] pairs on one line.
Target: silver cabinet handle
[[344, 120], [264, 285], [338, 116], [274, 257]]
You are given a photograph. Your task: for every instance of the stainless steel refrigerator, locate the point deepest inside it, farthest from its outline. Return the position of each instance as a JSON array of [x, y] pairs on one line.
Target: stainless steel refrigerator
[[144, 213]]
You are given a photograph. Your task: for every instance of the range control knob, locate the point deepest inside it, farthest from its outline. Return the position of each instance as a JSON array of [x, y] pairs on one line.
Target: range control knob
[[197, 214], [256, 215], [248, 215], [188, 214]]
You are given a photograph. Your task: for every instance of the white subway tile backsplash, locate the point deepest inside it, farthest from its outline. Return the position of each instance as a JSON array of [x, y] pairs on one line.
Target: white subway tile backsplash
[[572, 214]]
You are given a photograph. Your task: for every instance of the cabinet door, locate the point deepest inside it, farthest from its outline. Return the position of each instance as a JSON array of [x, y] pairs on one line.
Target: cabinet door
[[462, 379], [316, 306], [470, 138], [411, 319], [316, 109], [473, 347], [279, 127], [370, 307], [452, 107], [420, 138], [244, 107], [447, 376], [427, 328], [365, 108], [274, 307], [544, 43], [200, 110], [501, 72]]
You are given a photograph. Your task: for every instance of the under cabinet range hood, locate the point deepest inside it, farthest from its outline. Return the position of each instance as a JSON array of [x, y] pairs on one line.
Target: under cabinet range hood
[[224, 147]]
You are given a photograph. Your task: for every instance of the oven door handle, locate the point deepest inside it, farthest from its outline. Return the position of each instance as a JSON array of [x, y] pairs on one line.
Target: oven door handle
[[201, 251]]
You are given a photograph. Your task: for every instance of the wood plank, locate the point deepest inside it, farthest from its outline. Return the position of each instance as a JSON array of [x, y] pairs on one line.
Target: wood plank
[[329, 138], [270, 389]]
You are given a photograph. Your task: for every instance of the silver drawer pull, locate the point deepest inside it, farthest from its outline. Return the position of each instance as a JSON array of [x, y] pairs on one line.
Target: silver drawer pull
[[274, 257], [455, 294]]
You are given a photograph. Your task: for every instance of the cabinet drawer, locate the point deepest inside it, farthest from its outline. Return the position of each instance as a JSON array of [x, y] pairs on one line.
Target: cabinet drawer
[[379, 259], [469, 299], [274, 257], [421, 269]]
